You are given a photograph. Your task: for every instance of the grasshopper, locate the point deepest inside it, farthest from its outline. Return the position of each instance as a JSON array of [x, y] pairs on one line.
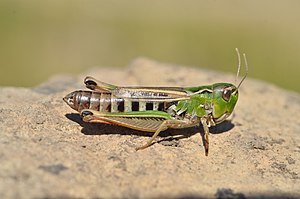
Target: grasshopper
[[155, 109]]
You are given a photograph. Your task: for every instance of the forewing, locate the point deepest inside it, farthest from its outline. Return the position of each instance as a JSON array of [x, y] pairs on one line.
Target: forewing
[[166, 94], [151, 93]]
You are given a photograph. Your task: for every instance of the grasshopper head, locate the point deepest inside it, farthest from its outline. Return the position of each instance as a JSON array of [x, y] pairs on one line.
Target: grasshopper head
[[225, 96]]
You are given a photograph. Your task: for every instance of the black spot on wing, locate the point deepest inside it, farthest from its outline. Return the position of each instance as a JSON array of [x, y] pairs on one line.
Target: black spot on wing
[[135, 106], [121, 106], [161, 106], [149, 106]]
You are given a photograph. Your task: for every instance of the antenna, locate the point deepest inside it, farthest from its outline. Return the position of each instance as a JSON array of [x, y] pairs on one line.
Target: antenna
[[239, 64], [239, 68]]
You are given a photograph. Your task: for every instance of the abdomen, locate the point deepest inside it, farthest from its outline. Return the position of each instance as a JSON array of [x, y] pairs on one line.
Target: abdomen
[[108, 102]]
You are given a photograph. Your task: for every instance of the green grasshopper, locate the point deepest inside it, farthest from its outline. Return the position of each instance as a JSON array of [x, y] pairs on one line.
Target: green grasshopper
[[155, 109]]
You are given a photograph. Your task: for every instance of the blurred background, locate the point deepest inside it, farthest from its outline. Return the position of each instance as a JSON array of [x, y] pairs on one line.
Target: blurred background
[[41, 38]]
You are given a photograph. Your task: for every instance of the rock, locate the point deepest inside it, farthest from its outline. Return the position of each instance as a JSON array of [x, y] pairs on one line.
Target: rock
[[46, 151]]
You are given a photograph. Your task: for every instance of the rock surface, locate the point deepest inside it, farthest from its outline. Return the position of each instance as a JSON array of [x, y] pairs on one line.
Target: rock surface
[[46, 151]]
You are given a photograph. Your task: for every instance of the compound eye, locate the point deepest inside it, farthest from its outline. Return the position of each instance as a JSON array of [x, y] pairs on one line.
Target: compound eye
[[226, 94]]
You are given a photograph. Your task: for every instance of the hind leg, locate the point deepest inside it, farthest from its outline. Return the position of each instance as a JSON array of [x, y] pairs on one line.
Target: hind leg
[[164, 126]]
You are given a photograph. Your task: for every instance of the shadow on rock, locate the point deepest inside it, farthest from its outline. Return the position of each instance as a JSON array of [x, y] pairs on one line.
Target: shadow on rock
[[99, 129], [222, 127]]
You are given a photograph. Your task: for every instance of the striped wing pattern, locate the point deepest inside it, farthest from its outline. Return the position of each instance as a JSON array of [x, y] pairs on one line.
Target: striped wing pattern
[[138, 93], [151, 93], [149, 124]]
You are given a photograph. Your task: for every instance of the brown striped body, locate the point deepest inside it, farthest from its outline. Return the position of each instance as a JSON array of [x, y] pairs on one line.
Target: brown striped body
[[108, 102]]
